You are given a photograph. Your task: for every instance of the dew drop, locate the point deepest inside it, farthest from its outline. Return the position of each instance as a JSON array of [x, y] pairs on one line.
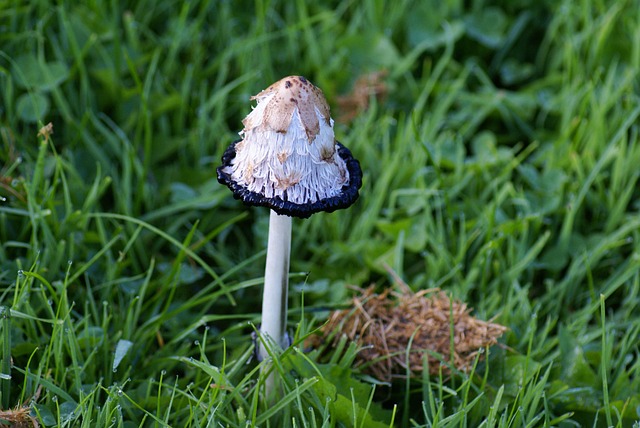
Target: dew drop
[[50, 302], [119, 392], [20, 273], [115, 369], [196, 342], [54, 398], [2, 198], [69, 262], [163, 372]]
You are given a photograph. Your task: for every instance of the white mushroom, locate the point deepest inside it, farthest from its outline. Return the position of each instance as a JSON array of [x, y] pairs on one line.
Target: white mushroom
[[288, 160]]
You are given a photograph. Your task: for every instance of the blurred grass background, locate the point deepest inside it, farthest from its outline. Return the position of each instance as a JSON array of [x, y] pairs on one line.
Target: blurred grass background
[[501, 165]]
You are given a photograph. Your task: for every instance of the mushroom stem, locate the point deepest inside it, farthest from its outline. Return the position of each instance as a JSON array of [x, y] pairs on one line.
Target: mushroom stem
[[276, 284]]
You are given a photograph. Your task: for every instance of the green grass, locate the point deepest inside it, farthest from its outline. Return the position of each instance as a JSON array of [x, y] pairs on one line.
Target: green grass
[[502, 166]]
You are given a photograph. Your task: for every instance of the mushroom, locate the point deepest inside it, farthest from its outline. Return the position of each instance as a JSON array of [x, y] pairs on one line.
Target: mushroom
[[289, 161]]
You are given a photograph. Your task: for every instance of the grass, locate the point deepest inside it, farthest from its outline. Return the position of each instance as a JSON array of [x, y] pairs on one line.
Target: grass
[[502, 166]]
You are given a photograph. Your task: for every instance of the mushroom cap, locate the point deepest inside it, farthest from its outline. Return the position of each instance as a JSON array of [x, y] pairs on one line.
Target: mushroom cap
[[288, 158]]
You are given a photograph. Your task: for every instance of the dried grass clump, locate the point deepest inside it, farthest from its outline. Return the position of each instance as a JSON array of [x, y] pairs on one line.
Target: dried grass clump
[[357, 101], [385, 324], [20, 417]]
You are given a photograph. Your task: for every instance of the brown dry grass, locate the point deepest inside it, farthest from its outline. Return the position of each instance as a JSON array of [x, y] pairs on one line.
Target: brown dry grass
[[20, 417], [386, 324], [357, 101]]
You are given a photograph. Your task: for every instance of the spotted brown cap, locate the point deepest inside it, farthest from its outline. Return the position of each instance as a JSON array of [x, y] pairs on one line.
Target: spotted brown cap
[[288, 158]]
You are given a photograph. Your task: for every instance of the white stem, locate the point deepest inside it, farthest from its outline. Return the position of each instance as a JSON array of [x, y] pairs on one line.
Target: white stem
[[276, 283]]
